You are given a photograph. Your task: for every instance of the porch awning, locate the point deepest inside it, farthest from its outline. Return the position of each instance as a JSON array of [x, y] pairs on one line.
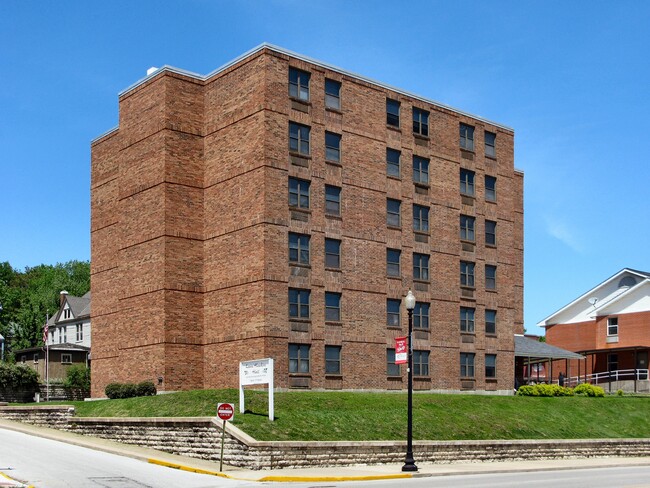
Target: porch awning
[[529, 348]]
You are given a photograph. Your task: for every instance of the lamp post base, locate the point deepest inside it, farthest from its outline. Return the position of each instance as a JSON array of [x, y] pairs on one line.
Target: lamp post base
[[409, 465]]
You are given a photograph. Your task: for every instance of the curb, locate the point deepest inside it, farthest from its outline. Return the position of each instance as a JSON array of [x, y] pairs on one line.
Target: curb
[[12, 483]]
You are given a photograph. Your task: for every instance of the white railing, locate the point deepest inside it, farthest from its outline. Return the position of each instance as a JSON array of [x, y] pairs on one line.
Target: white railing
[[608, 376]]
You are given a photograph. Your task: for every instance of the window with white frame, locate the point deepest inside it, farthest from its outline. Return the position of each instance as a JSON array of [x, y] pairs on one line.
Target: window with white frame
[[80, 332], [612, 326], [66, 358]]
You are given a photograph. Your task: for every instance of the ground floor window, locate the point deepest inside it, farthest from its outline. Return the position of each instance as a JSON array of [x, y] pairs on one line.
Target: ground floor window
[[333, 359], [490, 365], [299, 358], [420, 363], [467, 365]]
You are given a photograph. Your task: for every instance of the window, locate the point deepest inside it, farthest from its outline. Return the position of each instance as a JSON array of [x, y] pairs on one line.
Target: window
[[490, 233], [490, 188], [420, 363], [467, 137], [23, 359], [467, 365], [36, 358], [420, 122], [63, 334], [467, 182], [421, 316], [298, 248], [420, 218], [332, 307], [332, 359], [490, 322], [332, 253], [67, 313], [420, 266], [393, 312], [298, 303], [392, 369], [299, 138], [80, 332], [392, 112], [298, 193], [490, 143], [467, 274], [332, 200], [490, 277], [467, 319], [466, 228], [392, 162], [66, 358], [490, 365], [299, 358], [420, 170], [332, 94], [392, 262], [332, 147], [612, 326], [299, 84], [393, 212], [612, 362]]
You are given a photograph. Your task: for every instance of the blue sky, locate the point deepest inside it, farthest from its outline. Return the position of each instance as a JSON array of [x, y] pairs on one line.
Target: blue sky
[[571, 78]]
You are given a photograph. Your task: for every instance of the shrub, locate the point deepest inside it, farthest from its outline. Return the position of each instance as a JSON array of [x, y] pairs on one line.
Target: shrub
[[543, 390], [77, 376], [129, 390], [16, 377], [113, 390], [619, 392], [146, 388], [590, 390]]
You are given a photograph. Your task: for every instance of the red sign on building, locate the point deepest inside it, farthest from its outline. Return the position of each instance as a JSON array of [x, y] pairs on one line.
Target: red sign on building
[[401, 349]]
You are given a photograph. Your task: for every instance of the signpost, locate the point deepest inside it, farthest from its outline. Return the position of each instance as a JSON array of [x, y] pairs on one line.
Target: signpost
[[256, 372], [401, 350], [225, 411]]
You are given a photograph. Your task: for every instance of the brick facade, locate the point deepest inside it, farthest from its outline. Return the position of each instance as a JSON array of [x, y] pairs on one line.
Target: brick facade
[[190, 226]]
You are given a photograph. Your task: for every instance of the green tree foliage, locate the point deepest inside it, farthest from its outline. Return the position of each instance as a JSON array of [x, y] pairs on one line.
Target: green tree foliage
[[28, 296], [77, 376]]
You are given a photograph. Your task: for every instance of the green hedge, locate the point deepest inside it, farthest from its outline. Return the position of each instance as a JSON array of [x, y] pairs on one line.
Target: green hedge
[[17, 376], [589, 390], [130, 390], [543, 390]]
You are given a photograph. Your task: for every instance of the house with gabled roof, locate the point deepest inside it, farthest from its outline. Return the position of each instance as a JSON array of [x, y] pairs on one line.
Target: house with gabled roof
[[610, 326]]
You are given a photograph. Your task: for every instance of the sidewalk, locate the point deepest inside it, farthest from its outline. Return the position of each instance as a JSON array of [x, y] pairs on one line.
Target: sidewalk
[[387, 471]]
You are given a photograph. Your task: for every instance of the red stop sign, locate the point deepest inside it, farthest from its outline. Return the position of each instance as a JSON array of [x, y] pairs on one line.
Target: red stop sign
[[225, 411]]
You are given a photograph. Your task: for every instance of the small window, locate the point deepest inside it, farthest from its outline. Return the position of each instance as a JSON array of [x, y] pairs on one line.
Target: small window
[[299, 138], [298, 303], [67, 313], [332, 200], [421, 316], [612, 362], [490, 188], [420, 170], [420, 218], [332, 307], [332, 147], [299, 358], [299, 193], [467, 319], [80, 332], [466, 365], [467, 274], [392, 162], [612, 326], [490, 144], [333, 253], [298, 248], [467, 137], [392, 112], [420, 122], [467, 228], [420, 266], [490, 277], [393, 212], [491, 322], [36, 358], [332, 359], [299, 84], [393, 312], [332, 94], [467, 182], [66, 358], [392, 369], [392, 262], [420, 363], [490, 233], [490, 365]]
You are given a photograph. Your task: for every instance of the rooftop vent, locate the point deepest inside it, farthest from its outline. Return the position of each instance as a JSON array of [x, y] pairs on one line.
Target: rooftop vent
[[627, 281]]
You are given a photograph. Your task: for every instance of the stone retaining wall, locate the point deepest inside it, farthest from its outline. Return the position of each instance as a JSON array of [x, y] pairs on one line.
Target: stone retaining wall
[[201, 438]]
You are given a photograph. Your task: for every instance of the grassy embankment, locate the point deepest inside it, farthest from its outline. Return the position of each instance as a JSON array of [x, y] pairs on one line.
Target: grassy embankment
[[380, 416]]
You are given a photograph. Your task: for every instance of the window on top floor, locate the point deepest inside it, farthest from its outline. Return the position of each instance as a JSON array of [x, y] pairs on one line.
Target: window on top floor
[[299, 84], [420, 122], [490, 144], [332, 94], [467, 137], [392, 112]]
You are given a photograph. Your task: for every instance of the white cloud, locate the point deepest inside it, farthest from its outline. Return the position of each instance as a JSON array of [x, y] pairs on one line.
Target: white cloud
[[564, 233]]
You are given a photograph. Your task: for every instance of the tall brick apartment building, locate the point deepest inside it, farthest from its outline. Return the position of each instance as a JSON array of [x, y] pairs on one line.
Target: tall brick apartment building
[[281, 207]]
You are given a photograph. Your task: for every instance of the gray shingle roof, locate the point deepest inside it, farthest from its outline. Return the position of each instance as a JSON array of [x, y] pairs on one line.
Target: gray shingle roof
[[529, 348]]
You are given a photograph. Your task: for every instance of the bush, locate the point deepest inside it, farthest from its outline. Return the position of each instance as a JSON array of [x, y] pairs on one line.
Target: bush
[[77, 376], [113, 390], [590, 390], [543, 390], [619, 392], [146, 388], [129, 390], [14, 377]]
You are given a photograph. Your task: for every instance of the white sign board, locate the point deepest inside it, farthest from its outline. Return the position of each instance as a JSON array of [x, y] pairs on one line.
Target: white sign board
[[256, 372]]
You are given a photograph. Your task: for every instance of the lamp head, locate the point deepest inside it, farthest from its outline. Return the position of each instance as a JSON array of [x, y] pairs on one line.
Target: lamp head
[[409, 300]]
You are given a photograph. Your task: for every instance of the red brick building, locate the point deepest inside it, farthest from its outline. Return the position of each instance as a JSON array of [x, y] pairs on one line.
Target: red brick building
[[610, 325], [281, 207]]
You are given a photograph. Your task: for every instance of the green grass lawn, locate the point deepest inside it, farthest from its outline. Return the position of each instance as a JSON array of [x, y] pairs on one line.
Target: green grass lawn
[[307, 415]]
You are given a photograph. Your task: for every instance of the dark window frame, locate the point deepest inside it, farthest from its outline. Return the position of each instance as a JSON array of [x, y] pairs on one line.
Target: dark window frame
[[333, 200], [490, 188], [332, 147], [393, 212], [420, 170], [333, 94], [393, 312], [299, 139], [299, 304], [421, 315], [467, 186], [393, 162], [490, 366], [332, 253], [421, 362], [467, 228], [490, 233], [421, 266], [490, 277], [392, 369], [468, 319], [467, 363], [299, 248], [299, 81], [490, 141], [299, 358], [420, 122], [332, 306], [333, 360], [466, 137], [393, 267], [299, 193], [490, 321], [467, 274], [420, 218], [392, 112]]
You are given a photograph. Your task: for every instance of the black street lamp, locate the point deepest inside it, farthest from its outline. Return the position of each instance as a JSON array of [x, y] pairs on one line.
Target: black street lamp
[[409, 462]]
